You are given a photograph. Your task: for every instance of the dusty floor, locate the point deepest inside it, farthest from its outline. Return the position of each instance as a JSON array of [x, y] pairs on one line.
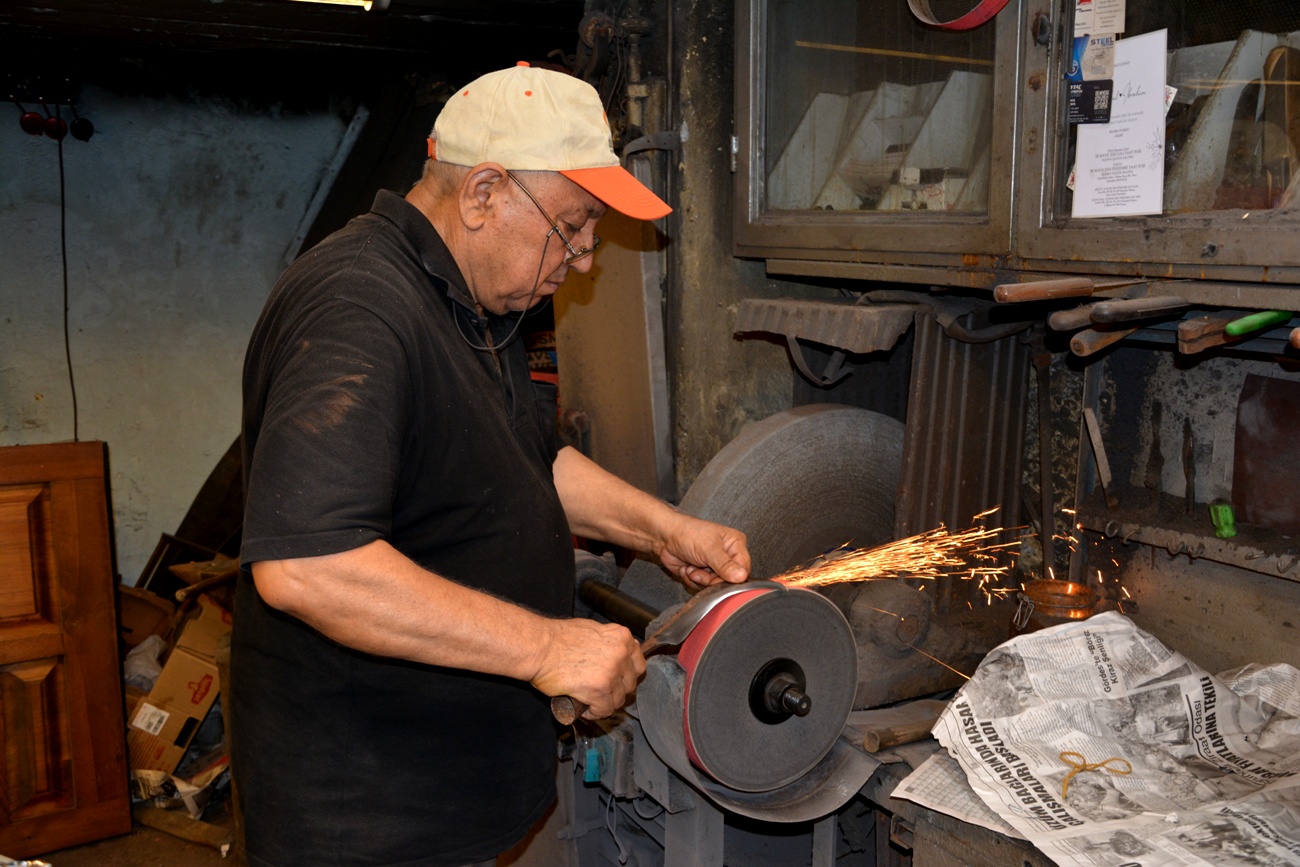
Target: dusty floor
[[148, 847], [143, 847]]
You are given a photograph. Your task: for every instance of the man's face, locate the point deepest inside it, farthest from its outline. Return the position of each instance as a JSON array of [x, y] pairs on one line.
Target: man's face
[[521, 275]]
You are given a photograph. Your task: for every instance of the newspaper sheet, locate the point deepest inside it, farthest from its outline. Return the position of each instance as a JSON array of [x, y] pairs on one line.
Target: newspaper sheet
[[1104, 747], [940, 784]]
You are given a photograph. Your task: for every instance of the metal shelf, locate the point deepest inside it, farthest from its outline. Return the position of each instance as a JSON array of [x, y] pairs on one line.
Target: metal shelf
[[1166, 524]]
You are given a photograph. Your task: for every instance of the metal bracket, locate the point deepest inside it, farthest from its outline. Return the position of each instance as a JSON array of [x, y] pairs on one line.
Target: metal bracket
[[667, 140], [900, 832]]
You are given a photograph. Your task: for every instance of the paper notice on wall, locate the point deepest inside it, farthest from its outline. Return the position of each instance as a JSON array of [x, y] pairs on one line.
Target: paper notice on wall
[[1084, 16], [1120, 167], [1108, 16], [1098, 57], [1098, 16]]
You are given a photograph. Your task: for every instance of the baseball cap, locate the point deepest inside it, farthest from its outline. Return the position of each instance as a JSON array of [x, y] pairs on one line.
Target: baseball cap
[[531, 119]]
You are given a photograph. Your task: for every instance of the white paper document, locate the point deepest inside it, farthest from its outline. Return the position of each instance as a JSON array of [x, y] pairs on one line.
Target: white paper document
[[1092, 17], [1120, 166]]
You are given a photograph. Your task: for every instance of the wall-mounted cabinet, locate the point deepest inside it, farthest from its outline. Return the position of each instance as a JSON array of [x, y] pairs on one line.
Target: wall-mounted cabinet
[[863, 133], [871, 146]]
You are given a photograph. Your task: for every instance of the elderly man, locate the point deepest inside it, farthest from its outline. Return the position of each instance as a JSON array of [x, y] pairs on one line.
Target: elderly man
[[405, 609]]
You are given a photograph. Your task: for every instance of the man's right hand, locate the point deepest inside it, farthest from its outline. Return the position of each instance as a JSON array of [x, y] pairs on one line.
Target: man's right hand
[[598, 664]]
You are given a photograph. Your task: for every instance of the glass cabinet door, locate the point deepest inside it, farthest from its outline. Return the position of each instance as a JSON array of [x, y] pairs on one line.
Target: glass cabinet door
[[1226, 194], [859, 129]]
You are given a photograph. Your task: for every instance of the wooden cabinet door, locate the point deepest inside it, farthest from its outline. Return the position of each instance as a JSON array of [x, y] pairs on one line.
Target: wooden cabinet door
[[63, 768]]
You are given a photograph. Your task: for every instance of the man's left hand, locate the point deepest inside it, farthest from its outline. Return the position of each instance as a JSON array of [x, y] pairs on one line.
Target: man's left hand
[[701, 552]]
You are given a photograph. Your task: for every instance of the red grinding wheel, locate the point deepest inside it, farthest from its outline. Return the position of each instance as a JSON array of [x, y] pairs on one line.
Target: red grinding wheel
[[730, 657]]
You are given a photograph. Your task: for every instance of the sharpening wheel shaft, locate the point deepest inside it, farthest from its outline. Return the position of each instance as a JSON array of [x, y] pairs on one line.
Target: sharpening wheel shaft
[[741, 641]]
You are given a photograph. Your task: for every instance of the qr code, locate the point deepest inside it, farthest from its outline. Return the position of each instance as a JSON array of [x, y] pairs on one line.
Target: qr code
[[1101, 100]]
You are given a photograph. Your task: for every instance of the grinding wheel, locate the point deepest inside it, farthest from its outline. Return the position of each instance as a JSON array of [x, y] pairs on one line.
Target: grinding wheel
[[798, 483], [804, 481], [746, 644]]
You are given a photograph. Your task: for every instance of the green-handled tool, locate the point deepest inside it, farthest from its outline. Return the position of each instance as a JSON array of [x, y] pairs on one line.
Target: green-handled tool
[[1224, 520], [1256, 322]]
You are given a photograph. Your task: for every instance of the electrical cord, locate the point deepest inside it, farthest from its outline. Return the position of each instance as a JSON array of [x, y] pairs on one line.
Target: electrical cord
[[609, 809], [63, 251], [651, 814]]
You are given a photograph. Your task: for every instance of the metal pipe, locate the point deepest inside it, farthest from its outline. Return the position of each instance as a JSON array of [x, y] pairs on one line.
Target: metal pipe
[[616, 605], [1047, 523]]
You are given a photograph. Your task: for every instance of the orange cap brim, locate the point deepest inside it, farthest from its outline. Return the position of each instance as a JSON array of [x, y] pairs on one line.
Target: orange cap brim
[[616, 187]]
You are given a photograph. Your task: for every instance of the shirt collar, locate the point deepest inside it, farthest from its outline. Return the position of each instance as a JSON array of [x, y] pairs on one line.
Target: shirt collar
[[435, 258]]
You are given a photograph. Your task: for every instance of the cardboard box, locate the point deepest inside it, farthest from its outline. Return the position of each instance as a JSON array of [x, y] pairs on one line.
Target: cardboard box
[[162, 724], [142, 614], [134, 696], [203, 631]]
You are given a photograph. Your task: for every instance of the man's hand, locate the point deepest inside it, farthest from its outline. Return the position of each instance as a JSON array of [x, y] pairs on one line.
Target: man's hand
[[602, 506], [598, 664], [701, 552]]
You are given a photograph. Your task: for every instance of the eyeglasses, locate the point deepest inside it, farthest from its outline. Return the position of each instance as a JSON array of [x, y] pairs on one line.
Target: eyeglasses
[[575, 253]]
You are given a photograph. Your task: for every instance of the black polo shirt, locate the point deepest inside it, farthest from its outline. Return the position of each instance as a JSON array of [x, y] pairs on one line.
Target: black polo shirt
[[371, 412]]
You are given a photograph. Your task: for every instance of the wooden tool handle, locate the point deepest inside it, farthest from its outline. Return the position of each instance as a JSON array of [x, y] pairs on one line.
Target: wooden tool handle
[[882, 738], [1071, 320], [1041, 290], [1202, 332], [1205, 326], [1091, 340], [1127, 309], [566, 709], [206, 584]]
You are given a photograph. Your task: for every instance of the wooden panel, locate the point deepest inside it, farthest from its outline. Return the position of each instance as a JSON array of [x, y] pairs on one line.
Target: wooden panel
[[63, 777], [34, 737], [21, 516]]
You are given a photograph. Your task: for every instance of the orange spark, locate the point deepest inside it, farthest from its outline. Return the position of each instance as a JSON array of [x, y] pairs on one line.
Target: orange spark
[[940, 661], [970, 554], [919, 650]]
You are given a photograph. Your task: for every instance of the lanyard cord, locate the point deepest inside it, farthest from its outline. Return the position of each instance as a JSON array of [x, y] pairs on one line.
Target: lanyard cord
[[487, 346]]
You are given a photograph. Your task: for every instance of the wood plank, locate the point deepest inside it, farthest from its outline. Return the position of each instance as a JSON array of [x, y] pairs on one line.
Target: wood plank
[[21, 465], [32, 639]]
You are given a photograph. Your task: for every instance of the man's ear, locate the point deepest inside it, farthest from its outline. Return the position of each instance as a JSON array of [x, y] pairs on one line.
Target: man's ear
[[480, 192]]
